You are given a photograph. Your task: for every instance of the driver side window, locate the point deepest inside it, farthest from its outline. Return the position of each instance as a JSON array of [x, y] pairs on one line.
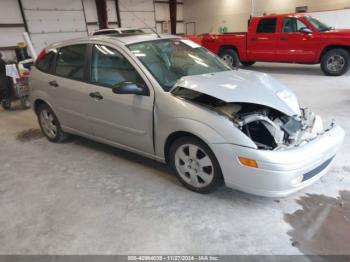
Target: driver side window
[[109, 67], [292, 25]]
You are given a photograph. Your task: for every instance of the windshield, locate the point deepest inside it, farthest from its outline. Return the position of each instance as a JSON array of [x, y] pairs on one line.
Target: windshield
[[319, 26], [170, 59]]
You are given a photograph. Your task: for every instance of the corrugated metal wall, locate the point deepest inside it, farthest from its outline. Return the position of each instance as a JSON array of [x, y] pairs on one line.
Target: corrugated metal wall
[[56, 20]]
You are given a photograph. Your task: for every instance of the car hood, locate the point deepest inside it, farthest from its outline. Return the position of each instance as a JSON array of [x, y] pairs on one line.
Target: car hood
[[339, 32], [242, 86]]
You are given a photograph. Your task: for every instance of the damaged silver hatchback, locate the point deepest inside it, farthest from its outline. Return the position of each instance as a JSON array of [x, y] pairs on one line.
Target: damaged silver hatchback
[[172, 100]]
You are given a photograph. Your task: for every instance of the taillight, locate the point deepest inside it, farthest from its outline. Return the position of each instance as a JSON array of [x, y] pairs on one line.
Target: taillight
[[41, 55]]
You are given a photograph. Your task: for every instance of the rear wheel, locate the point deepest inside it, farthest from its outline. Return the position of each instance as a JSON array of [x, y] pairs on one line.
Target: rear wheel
[[195, 165], [230, 57], [50, 125], [335, 62]]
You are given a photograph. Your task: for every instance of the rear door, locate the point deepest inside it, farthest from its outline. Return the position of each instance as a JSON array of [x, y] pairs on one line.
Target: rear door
[[293, 45], [68, 88], [262, 43]]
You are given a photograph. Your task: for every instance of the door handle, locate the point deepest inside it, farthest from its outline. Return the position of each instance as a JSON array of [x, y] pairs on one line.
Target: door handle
[[96, 95], [53, 83], [284, 38], [254, 39]]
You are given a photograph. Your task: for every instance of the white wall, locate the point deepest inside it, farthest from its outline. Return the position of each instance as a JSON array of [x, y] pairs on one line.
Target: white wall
[[209, 15], [162, 13], [288, 6]]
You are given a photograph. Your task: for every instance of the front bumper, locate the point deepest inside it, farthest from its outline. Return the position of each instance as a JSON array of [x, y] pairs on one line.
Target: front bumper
[[279, 173]]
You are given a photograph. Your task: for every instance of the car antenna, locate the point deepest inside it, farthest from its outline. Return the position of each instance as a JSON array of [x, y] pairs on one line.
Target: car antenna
[[143, 22]]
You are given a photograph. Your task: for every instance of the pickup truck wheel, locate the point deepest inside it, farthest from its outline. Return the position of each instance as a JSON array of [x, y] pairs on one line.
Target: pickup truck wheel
[[250, 63], [335, 62], [195, 165], [230, 57]]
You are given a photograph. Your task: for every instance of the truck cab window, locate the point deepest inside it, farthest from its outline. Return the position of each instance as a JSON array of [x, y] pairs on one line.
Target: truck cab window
[[292, 25], [267, 25]]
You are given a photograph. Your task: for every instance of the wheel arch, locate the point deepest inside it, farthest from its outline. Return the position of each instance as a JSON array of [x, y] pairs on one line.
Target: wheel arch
[[178, 134], [230, 47], [38, 102], [331, 47], [174, 136]]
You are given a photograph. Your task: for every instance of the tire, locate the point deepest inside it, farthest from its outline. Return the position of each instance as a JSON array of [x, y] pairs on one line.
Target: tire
[[335, 62], [25, 104], [203, 173], [250, 63], [6, 103], [230, 57], [45, 117]]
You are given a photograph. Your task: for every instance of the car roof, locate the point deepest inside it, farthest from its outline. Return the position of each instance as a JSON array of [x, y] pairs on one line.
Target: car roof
[[124, 39]]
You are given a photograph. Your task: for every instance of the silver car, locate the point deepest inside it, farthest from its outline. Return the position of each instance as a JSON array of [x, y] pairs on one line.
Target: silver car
[[169, 99]]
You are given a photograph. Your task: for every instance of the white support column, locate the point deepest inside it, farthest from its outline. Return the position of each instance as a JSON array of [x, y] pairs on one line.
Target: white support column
[[252, 11]]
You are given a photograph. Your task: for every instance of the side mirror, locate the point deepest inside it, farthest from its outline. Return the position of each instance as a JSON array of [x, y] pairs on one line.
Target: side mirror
[[130, 88], [305, 30]]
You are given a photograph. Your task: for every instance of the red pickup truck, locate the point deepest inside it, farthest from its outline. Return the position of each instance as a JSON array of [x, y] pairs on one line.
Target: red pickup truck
[[287, 38]]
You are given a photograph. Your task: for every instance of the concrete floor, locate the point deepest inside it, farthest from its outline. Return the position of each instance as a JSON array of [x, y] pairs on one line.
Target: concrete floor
[[82, 197]]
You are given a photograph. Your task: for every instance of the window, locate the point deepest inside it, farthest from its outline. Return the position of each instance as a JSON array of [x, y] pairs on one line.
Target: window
[[70, 62], [292, 25], [109, 67], [267, 25], [44, 64]]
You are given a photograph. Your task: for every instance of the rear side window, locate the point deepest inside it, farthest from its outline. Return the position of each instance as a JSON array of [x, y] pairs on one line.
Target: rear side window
[[45, 63], [267, 25], [70, 62]]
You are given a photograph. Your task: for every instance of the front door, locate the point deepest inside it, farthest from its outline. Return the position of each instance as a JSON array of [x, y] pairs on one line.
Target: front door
[[261, 45], [293, 45], [123, 119]]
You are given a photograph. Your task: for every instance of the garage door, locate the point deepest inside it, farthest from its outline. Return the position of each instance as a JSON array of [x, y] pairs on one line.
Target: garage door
[[54, 20], [137, 13]]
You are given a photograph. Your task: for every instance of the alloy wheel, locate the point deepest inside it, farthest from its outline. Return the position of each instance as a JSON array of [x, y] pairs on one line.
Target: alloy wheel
[[194, 165], [335, 63], [48, 124], [228, 59]]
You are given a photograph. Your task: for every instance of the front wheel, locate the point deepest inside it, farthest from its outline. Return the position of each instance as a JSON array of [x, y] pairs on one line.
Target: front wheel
[[195, 165], [230, 57], [335, 62]]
